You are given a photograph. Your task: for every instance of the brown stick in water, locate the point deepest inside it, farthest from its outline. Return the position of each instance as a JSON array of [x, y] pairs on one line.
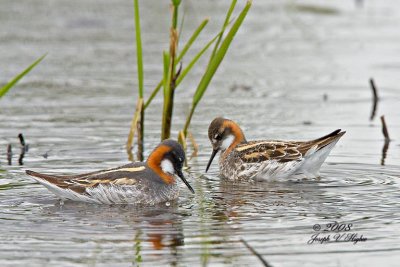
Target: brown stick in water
[[375, 98], [9, 154], [384, 129], [264, 262]]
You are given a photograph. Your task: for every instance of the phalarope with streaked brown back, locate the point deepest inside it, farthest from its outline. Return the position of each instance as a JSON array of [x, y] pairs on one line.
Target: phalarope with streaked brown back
[[266, 159], [147, 182]]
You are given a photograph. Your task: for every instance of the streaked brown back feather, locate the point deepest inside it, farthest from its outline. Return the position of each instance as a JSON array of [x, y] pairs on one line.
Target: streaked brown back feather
[[283, 151]]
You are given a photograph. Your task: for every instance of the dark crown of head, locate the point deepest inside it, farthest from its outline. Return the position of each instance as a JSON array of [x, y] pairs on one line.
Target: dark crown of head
[[177, 152]]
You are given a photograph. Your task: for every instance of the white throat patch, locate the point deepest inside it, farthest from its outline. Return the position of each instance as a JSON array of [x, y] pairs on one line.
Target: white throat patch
[[167, 167], [227, 142]]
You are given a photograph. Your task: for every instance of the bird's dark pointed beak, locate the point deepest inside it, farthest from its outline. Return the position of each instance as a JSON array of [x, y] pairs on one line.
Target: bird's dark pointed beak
[[215, 151], [180, 174]]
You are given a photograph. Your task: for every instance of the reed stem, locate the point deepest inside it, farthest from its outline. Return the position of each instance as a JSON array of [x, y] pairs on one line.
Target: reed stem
[[170, 83], [134, 127], [186, 47], [139, 53], [138, 118]]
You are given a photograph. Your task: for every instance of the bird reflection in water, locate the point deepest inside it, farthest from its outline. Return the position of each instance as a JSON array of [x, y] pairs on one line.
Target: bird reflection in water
[[158, 230]]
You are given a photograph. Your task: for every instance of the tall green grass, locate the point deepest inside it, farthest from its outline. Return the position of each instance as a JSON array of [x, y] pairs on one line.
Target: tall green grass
[[174, 74], [13, 81]]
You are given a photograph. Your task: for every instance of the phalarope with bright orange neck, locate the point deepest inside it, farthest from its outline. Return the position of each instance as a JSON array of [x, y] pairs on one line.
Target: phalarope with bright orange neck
[[266, 159], [149, 182]]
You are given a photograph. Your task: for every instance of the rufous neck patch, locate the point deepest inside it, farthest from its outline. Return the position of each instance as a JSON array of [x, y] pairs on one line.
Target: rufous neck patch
[[236, 132], [154, 162]]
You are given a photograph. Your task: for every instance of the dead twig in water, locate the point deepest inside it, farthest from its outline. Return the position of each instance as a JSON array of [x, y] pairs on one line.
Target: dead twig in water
[[9, 154], [384, 129], [194, 144], [21, 158], [385, 148], [24, 147], [387, 140], [21, 139], [375, 99], [137, 117], [140, 132], [264, 262]]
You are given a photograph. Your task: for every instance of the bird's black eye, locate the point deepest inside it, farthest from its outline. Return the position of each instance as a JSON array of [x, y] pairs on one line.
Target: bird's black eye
[[218, 137]]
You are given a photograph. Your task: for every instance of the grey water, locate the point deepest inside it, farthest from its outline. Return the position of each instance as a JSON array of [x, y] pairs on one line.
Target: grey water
[[296, 70]]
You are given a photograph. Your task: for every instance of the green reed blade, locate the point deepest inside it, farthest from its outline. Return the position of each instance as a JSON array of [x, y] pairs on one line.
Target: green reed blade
[[181, 26], [140, 123], [215, 62], [166, 72], [219, 55], [192, 39], [226, 22], [11, 83], [176, 4], [167, 94], [197, 57], [186, 70], [139, 53], [187, 46], [153, 94]]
